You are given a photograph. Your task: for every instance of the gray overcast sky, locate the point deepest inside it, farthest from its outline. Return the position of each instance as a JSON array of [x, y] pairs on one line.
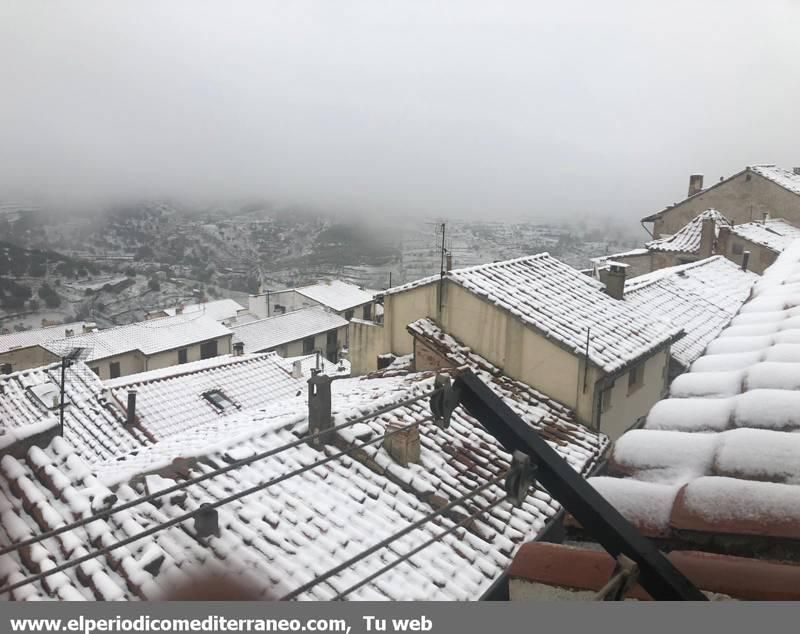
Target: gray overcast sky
[[474, 109]]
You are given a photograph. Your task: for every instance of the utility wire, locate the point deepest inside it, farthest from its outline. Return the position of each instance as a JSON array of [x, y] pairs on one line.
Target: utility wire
[[203, 509], [419, 548], [385, 542], [207, 476]]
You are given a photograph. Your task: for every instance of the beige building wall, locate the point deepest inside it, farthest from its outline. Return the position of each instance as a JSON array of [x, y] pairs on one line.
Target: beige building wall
[[295, 348], [26, 358], [170, 357], [741, 199], [366, 341], [733, 247], [129, 363], [626, 405]]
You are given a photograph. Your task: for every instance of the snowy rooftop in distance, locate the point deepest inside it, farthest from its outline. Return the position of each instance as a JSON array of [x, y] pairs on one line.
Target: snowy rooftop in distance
[[605, 259], [218, 310], [279, 538], [149, 337], [701, 297], [563, 303], [775, 234], [687, 239], [173, 400], [783, 177], [721, 454], [38, 336], [337, 295], [271, 332]]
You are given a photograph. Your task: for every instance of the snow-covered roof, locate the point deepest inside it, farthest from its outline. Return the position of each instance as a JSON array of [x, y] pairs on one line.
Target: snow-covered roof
[[337, 295], [687, 239], [720, 455], [28, 338], [562, 303], [281, 537], [149, 337], [171, 400], [605, 259], [94, 425], [218, 310], [701, 297], [780, 176], [775, 234], [271, 332]]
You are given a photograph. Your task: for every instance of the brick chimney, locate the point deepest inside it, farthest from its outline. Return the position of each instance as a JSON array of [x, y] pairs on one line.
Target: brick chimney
[[695, 184], [707, 238], [613, 277], [319, 409]]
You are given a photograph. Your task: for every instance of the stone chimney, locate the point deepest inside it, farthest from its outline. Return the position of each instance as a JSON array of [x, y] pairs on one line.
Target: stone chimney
[[69, 332], [297, 369], [319, 410], [707, 238], [131, 410], [695, 184], [614, 278], [764, 217], [796, 171], [89, 327], [403, 445], [238, 348]]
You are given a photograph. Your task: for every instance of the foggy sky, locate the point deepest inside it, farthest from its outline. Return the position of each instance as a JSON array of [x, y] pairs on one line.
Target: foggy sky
[[465, 109]]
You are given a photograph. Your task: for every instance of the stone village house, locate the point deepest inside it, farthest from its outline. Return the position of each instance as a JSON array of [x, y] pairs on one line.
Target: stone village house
[[544, 324]]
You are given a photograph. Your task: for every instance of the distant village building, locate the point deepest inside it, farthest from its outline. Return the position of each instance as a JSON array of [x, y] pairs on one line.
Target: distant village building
[[344, 299], [147, 345], [764, 240], [697, 240], [543, 323], [744, 197], [297, 333], [225, 311], [23, 350], [700, 297]]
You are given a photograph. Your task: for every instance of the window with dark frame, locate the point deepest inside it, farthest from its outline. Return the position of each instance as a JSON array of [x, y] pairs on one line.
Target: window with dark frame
[[183, 355], [208, 349], [114, 369], [219, 400], [368, 312], [308, 345]]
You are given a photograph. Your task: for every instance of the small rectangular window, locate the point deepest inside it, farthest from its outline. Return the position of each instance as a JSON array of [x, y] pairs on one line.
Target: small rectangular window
[[368, 312], [5, 368], [635, 378], [605, 399], [208, 349], [219, 400], [308, 345], [737, 248], [183, 355], [96, 371], [348, 315], [115, 370]]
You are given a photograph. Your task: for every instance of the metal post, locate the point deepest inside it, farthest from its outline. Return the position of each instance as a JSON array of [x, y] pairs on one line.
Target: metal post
[[64, 362], [657, 575], [441, 276], [268, 312]]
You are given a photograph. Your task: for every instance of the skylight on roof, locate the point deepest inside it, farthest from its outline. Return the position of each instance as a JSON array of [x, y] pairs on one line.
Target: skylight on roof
[[220, 401], [47, 395]]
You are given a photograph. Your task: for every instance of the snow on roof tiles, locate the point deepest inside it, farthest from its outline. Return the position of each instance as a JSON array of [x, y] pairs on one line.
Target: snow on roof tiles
[[687, 239], [279, 538], [149, 337], [171, 401], [701, 297], [783, 177], [775, 234], [271, 332], [218, 310], [563, 303], [725, 444], [37, 336], [337, 295], [92, 424]]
